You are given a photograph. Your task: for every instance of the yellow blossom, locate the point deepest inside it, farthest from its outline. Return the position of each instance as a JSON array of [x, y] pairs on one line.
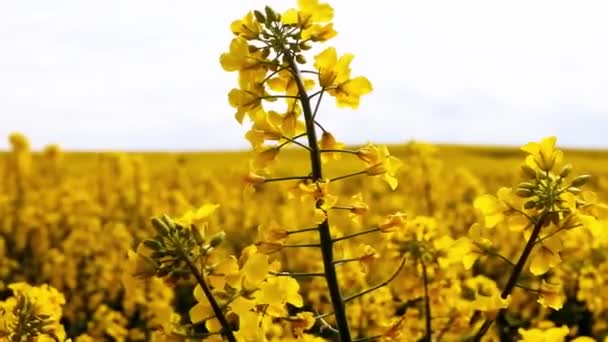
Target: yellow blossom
[[334, 75], [248, 27]]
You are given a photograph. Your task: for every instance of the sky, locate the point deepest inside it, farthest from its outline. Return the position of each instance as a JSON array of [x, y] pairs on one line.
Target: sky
[[145, 74]]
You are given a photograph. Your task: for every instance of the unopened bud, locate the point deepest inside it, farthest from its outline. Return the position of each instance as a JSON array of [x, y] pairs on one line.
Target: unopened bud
[[300, 59], [328, 141], [527, 185], [217, 239], [528, 171], [524, 193], [580, 180], [270, 13], [574, 190], [305, 46], [159, 225], [530, 204], [153, 244], [565, 171], [266, 53], [196, 233], [259, 16]]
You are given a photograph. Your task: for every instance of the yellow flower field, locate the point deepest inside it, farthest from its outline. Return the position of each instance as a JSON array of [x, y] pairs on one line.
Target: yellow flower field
[[69, 221]]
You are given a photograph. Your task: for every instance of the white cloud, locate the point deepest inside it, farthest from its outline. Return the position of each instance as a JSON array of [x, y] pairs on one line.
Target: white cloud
[[145, 74]]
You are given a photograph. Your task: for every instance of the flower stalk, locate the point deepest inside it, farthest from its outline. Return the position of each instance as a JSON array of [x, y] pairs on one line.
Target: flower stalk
[[217, 309], [515, 273], [324, 231]]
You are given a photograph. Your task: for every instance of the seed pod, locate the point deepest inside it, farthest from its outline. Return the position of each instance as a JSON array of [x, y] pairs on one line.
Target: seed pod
[[580, 180]]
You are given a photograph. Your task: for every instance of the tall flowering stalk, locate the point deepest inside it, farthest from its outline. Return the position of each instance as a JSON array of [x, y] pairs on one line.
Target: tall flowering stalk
[[268, 52], [545, 205]]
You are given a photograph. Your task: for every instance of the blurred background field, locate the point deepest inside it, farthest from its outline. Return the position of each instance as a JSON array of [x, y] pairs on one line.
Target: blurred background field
[[68, 219]]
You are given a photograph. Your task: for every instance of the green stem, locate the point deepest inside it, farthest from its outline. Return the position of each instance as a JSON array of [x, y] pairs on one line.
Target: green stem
[[339, 151], [345, 237], [375, 287], [427, 303], [303, 230], [324, 231], [515, 273], [217, 310], [285, 179], [358, 173], [295, 142]]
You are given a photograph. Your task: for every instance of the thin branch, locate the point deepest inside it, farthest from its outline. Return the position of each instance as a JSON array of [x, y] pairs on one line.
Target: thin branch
[[339, 151], [217, 310], [445, 328], [327, 314], [374, 288], [325, 325], [366, 339], [278, 97], [286, 178], [556, 231], [495, 254], [273, 73], [317, 93], [527, 288], [348, 176], [290, 140], [345, 237], [302, 245], [344, 261], [321, 127], [295, 142], [314, 113], [304, 230], [427, 303], [296, 274], [338, 207], [517, 269]]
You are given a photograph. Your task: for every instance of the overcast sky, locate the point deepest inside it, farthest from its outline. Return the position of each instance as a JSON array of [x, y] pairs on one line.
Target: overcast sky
[[144, 74]]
